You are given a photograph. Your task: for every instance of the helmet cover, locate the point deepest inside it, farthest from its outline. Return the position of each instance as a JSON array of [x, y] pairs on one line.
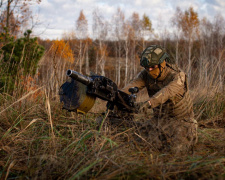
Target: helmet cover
[[152, 55]]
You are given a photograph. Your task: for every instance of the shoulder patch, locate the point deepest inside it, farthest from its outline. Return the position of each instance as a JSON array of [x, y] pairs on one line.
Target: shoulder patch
[[158, 95]]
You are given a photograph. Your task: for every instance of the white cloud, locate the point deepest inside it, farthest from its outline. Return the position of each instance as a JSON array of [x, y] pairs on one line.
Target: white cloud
[[62, 15]]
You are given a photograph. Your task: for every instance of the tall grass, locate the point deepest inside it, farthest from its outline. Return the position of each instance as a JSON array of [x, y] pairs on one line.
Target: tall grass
[[39, 140]]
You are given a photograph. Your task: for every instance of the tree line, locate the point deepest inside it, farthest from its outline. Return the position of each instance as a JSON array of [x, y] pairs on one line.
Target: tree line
[[113, 49], [196, 45]]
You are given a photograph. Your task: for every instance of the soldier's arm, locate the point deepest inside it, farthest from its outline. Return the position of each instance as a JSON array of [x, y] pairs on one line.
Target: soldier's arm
[[137, 82], [174, 88]]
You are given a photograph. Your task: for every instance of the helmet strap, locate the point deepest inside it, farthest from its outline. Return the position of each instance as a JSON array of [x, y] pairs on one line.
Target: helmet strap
[[160, 72], [161, 69]]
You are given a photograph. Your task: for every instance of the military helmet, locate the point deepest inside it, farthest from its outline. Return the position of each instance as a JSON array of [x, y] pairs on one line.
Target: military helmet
[[153, 55]]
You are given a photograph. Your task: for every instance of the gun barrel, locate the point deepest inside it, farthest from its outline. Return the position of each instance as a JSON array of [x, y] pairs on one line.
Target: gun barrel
[[78, 77]]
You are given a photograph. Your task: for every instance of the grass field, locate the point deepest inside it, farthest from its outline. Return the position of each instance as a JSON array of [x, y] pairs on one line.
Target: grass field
[[39, 140]]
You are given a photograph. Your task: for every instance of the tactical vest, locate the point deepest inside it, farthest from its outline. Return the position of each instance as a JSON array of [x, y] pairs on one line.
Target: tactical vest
[[177, 107]]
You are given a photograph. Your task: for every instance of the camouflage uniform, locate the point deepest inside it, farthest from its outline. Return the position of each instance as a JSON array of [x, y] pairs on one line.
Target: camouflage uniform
[[173, 126]]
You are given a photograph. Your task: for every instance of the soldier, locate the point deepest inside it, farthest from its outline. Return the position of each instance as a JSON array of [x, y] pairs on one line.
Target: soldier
[[173, 126]]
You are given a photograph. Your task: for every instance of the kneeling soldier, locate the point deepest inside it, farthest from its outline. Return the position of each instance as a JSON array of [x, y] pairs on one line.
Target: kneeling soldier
[[173, 126]]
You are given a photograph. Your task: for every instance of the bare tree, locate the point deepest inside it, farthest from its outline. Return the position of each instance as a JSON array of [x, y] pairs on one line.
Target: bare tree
[[128, 35], [15, 14], [177, 34], [100, 32], [147, 29], [205, 55], [219, 25], [82, 34], [188, 22], [119, 23], [211, 59], [135, 23]]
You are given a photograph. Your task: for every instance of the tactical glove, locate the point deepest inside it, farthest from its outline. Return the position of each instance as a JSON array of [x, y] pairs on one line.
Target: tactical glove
[[142, 106]]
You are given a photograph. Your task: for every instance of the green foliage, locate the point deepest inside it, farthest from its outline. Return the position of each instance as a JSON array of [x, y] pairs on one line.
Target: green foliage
[[5, 37], [20, 58]]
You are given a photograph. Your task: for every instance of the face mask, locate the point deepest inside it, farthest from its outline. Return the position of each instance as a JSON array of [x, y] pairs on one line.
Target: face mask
[[156, 72]]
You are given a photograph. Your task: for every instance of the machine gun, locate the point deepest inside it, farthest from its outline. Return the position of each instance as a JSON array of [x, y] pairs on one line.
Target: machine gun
[[80, 92]]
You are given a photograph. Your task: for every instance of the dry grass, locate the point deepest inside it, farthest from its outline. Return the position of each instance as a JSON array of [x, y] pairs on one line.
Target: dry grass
[[39, 140], [43, 142]]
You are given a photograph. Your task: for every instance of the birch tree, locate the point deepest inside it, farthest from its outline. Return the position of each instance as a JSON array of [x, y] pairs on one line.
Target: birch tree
[[100, 32], [188, 22], [119, 23], [177, 34], [82, 34], [128, 35], [219, 29], [206, 31], [15, 14], [135, 23], [147, 29]]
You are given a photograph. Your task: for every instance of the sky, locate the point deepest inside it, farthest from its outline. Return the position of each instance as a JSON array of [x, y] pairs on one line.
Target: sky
[[56, 17]]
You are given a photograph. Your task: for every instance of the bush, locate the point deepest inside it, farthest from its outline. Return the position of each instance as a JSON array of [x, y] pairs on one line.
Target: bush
[[20, 57]]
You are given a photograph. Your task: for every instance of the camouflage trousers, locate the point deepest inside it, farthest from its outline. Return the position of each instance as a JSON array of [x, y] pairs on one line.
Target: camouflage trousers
[[164, 135], [177, 136]]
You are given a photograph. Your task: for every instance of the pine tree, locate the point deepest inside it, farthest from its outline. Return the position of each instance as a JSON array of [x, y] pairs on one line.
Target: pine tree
[[20, 57]]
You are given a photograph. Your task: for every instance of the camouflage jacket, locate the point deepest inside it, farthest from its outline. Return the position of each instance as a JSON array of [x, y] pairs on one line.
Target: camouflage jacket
[[169, 95]]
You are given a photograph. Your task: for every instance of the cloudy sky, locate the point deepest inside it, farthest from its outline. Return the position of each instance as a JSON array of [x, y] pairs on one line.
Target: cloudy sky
[[58, 16]]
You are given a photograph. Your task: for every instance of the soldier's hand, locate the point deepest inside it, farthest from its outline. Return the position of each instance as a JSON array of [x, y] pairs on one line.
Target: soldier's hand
[[142, 106]]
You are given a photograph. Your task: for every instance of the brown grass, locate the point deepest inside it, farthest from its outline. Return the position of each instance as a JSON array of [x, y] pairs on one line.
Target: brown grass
[[44, 142], [39, 140]]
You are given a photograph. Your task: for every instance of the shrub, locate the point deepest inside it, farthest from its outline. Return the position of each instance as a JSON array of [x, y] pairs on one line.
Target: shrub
[[20, 57]]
